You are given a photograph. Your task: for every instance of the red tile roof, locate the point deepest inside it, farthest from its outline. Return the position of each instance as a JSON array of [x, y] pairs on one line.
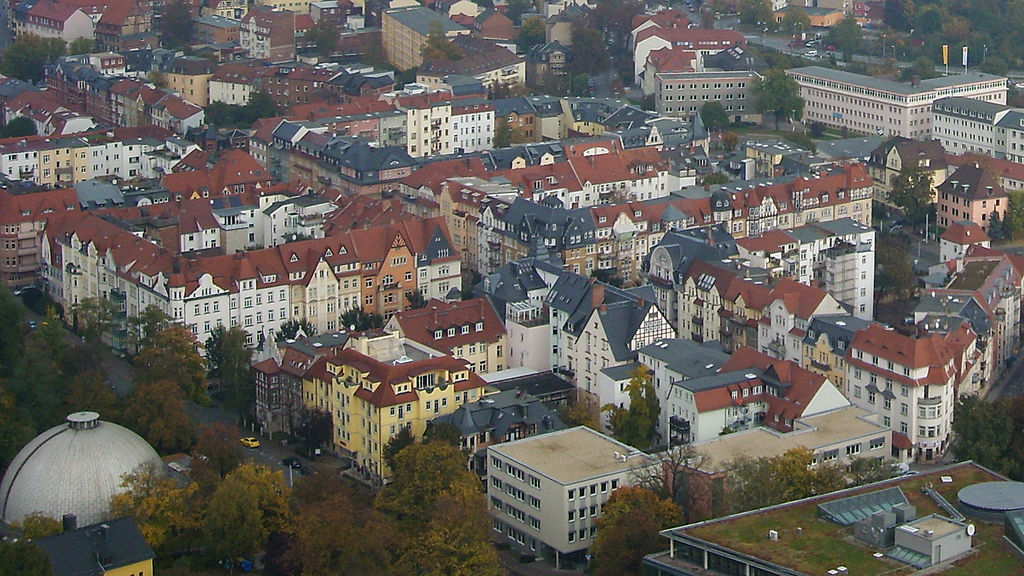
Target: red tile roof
[[965, 232], [421, 325]]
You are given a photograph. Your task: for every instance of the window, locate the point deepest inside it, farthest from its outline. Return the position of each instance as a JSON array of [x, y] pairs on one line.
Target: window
[[831, 455], [853, 449], [876, 443], [572, 493], [572, 515]]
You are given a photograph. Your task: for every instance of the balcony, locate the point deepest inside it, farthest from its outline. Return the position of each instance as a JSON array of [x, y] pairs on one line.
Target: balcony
[[698, 320], [821, 365]]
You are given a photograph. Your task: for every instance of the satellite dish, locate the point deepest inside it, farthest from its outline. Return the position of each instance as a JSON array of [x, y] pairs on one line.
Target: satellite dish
[[970, 529]]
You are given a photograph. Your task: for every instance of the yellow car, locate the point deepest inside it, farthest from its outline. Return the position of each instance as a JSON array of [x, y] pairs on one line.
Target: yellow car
[[250, 442]]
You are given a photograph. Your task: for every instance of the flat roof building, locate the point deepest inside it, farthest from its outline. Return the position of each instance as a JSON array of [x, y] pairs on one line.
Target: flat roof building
[[868, 105], [547, 492]]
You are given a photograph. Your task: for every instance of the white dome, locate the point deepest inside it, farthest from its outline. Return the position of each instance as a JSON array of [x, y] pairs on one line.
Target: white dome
[[74, 468]]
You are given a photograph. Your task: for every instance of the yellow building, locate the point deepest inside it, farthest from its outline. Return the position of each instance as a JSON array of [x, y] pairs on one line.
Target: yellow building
[[190, 77], [404, 33], [381, 384], [826, 344], [65, 162]]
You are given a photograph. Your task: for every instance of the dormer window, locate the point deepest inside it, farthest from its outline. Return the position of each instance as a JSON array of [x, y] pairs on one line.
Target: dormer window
[[465, 329], [479, 326], [438, 334], [451, 332]]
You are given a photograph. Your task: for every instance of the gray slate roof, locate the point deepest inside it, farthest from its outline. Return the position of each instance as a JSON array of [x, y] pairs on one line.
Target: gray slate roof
[[93, 550]]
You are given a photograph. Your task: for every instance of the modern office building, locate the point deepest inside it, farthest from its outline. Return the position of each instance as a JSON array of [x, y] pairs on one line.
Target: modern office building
[[546, 492]]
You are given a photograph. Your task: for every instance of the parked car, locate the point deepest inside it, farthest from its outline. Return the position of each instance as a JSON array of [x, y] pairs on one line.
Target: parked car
[[811, 54], [250, 442], [291, 462]]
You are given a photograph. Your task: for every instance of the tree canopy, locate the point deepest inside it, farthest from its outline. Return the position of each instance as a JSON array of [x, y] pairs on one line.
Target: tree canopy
[[260, 105], [156, 411], [628, 530], [636, 424], [714, 116], [779, 94], [248, 506], [20, 126], [759, 482], [846, 37], [323, 35], [176, 27], [990, 433], [912, 192], [26, 57], [174, 355]]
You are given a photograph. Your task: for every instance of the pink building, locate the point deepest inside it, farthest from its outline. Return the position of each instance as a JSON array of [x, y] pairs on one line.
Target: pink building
[[971, 194]]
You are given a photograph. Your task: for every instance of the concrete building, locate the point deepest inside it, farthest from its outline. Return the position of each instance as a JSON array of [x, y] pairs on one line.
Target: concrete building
[[964, 125], [958, 237], [971, 193], [900, 155], [547, 492], [682, 94], [867, 105], [404, 32]]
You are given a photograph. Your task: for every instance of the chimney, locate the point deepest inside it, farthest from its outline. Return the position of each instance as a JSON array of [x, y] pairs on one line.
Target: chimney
[[597, 295], [69, 522]]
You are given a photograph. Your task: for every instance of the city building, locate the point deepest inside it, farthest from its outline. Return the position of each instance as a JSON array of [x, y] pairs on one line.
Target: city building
[[547, 492], [965, 125], [866, 105], [268, 35], [958, 237], [469, 330], [404, 33], [971, 193], [901, 155], [116, 547], [380, 384], [911, 382]]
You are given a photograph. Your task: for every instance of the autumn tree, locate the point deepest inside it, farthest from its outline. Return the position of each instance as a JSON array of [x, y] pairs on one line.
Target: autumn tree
[[248, 506], [755, 12], [579, 415], [863, 470], [730, 140], [846, 36], [531, 33], [217, 449], [422, 474], [156, 411], [27, 56], [636, 425], [89, 390], [12, 326], [628, 530], [167, 511], [768, 480], [82, 45], [174, 355], [590, 55], [443, 432], [24, 558], [779, 94], [897, 274], [438, 46], [38, 525], [456, 541], [339, 535]]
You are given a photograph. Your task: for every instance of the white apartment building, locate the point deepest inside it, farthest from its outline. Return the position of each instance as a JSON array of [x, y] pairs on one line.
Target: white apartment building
[[472, 126], [911, 383], [964, 125], [546, 492], [868, 105]]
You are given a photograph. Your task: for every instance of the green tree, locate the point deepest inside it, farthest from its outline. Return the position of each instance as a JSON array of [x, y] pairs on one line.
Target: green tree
[[156, 411], [996, 229], [323, 35], [714, 116], [759, 482], [636, 424], [168, 511], [715, 178], [755, 12], [438, 46], [230, 358], [503, 132], [423, 473], [248, 506], [361, 319], [96, 319], [863, 470], [12, 326], [289, 329], [174, 355], [400, 441], [24, 558], [923, 68], [531, 33], [26, 57], [897, 273], [176, 24], [82, 45], [984, 432], [912, 192], [444, 432], [628, 530], [1013, 219], [590, 54], [515, 9], [779, 94], [16, 427], [846, 36], [796, 20], [20, 126], [142, 329]]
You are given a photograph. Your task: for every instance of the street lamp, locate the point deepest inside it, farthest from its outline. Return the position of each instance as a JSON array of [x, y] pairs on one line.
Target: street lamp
[[984, 53]]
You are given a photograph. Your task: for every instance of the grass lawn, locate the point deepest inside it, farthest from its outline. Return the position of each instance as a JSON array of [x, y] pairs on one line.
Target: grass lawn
[[820, 545]]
